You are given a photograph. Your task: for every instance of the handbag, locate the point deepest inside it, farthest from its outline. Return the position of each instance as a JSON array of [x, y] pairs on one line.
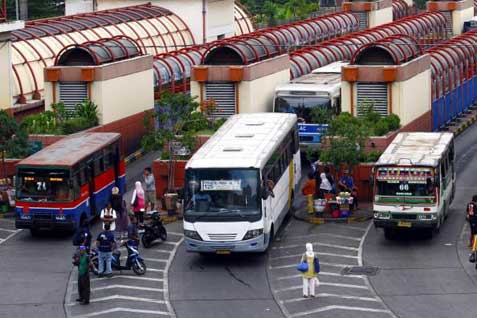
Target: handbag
[[302, 267], [472, 257]]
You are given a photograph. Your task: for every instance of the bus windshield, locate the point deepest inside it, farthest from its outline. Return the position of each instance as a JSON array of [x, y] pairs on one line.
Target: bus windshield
[[222, 194], [43, 185], [301, 105], [405, 191]]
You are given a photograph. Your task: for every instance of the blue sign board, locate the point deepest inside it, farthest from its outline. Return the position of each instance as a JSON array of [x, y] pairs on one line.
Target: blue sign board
[[311, 133]]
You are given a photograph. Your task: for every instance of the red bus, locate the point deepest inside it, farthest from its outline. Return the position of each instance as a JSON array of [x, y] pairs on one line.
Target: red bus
[[68, 181]]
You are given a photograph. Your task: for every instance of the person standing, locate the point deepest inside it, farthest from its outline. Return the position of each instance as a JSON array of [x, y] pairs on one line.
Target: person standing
[[83, 277], [108, 216], [472, 218], [137, 202], [330, 179], [149, 188], [133, 235], [308, 191], [118, 205], [105, 243], [83, 236], [310, 277], [325, 185], [346, 184]]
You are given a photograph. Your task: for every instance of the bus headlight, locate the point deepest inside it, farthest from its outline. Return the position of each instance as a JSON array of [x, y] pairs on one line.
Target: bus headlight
[[193, 235], [382, 215], [252, 234]]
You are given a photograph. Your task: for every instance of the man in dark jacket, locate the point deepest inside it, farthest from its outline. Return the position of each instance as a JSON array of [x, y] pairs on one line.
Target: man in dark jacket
[[83, 236], [472, 218], [105, 243]]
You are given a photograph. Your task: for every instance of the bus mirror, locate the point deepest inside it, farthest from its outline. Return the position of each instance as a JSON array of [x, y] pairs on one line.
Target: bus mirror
[[265, 193]]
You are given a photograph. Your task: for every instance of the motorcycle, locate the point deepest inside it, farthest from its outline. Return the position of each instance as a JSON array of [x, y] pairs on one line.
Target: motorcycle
[[153, 230], [134, 261]]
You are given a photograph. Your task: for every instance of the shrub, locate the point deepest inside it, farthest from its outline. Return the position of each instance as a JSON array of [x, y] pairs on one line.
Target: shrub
[[320, 115], [218, 123], [76, 124], [373, 156], [381, 127], [197, 121], [393, 121]]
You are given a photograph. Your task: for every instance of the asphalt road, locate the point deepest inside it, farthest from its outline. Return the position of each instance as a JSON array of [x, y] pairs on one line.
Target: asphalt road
[[422, 277]]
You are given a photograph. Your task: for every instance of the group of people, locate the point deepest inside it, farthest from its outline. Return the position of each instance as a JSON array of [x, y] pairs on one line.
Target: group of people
[[114, 218], [327, 185]]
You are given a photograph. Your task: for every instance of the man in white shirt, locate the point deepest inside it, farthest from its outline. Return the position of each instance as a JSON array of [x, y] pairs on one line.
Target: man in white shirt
[[108, 215]]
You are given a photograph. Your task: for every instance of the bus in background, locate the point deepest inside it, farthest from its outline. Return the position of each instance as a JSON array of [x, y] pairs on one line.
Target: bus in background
[[469, 25], [68, 181], [321, 88], [414, 182], [240, 184]]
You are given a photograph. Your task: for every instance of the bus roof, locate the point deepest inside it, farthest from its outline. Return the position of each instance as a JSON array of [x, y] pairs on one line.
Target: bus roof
[[71, 149], [244, 141], [326, 83], [334, 68], [420, 149]]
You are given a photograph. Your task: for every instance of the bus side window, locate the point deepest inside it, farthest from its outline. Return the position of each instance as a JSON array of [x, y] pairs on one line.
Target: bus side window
[[77, 185]]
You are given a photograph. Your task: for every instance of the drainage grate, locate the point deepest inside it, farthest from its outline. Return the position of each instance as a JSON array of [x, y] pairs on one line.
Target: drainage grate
[[360, 270]]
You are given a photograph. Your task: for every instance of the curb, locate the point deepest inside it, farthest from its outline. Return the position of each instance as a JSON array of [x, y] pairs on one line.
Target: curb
[[134, 156], [317, 220], [470, 120]]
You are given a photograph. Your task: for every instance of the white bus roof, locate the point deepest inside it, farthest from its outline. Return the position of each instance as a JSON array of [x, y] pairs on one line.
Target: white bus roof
[[244, 141], [425, 149], [334, 68], [327, 83]]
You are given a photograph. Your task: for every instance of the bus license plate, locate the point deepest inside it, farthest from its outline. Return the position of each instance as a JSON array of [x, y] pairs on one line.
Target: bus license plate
[[404, 224], [223, 252]]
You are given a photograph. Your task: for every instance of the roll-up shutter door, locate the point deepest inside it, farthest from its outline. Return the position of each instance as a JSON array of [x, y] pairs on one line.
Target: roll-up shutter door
[[448, 15], [224, 96], [73, 93], [375, 94], [363, 19]]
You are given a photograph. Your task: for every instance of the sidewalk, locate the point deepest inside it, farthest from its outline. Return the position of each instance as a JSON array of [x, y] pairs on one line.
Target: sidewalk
[[364, 213], [463, 123]]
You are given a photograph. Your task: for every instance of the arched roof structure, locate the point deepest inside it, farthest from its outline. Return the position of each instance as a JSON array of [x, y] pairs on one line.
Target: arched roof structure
[[243, 18], [428, 27], [155, 29], [401, 9]]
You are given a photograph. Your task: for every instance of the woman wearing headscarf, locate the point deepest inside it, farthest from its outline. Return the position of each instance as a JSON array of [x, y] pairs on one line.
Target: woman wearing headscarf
[[118, 205], [310, 277], [137, 202], [325, 185]]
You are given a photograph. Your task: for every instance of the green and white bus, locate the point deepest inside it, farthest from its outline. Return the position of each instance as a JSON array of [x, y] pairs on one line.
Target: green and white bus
[[414, 182]]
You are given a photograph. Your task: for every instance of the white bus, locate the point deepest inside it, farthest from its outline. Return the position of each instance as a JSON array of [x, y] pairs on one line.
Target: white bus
[[414, 182], [240, 184], [321, 88]]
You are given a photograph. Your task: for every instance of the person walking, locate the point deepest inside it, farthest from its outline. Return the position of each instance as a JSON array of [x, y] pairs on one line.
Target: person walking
[[310, 277], [472, 218], [119, 206], [83, 276], [108, 216], [149, 188], [105, 243], [137, 202], [308, 191]]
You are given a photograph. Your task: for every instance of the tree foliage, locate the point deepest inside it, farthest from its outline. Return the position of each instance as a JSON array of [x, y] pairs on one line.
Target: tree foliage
[[38, 9], [271, 12], [13, 137]]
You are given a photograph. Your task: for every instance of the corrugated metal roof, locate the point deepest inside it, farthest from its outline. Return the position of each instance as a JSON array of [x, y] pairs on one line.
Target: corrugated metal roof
[[244, 141], [69, 150], [425, 149]]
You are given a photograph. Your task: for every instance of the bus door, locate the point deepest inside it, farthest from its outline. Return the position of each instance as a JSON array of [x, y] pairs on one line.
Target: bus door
[[92, 199]]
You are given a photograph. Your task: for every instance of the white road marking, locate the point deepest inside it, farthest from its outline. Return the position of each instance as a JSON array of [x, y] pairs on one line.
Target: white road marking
[[166, 279], [321, 263], [352, 238], [121, 309], [160, 250], [156, 270], [344, 247], [121, 297], [148, 259], [323, 284], [356, 228], [128, 287], [175, 233], [321, 273], [10, 236], [126, 277], [332, 296], [333, 307], [170, 243], [8, 230], [316, 253]]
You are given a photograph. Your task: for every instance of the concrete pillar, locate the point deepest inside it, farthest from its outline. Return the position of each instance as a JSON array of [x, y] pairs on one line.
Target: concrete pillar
[[457, 11], [371, 13], [6, 73]]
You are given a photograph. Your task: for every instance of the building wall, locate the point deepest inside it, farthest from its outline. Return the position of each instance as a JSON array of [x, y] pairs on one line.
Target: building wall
[[346, 96], [123, 96], [6, 79], [412, 98], [257, 95], [220, 19], [459, 17], [379, 17]]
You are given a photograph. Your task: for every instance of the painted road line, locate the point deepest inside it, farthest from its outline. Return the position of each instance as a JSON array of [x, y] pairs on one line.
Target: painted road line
[[126, 277], [317, 253], [10, 236], [8, 230], [121, 297], [169, 243], [316, 244], [321, 273], [166, 278], [121, 309], [334, 307], [159, 250], [128, 287], [148, 259], [156, 270], [324, 284], [352, 238], [319, 295], [321, 263], [175, 233]]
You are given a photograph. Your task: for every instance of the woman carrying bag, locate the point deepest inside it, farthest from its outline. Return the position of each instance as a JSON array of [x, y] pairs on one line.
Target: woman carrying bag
[[138, 203], [310, 267]]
